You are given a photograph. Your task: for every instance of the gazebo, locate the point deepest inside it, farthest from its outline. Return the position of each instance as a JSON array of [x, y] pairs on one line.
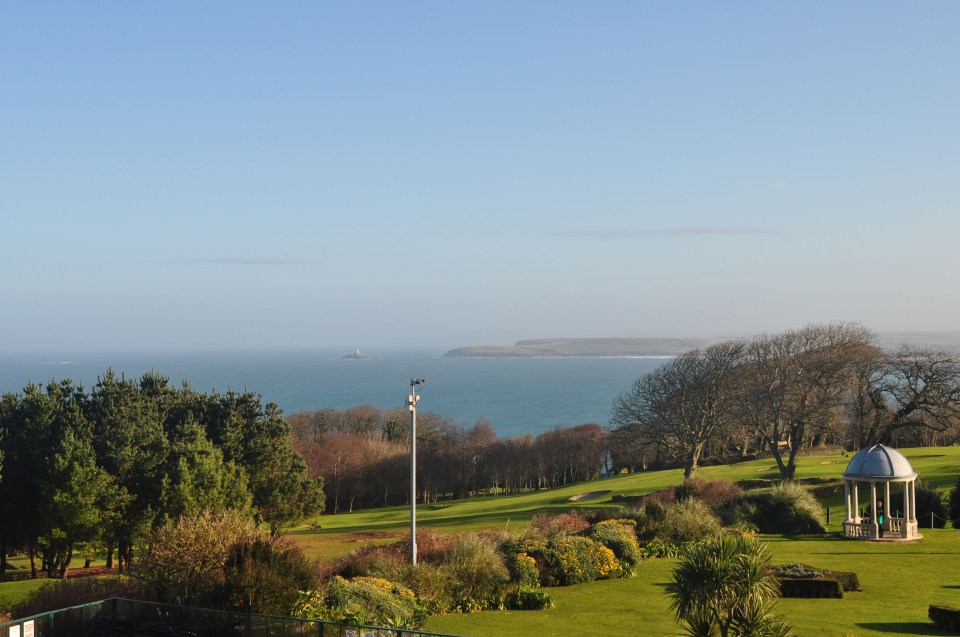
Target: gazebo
[[879, 466]]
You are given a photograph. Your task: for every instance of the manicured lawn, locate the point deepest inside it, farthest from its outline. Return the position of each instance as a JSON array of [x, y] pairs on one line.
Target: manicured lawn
[[899, 583]]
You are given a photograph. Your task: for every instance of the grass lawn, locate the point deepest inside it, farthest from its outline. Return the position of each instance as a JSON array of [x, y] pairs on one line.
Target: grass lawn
[[899, 581]]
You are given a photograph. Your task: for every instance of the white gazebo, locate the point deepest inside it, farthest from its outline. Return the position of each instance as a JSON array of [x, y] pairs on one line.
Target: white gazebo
[[879, 467]]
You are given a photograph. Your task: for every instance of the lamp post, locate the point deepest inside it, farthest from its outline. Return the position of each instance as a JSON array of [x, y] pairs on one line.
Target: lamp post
[[412, 406]]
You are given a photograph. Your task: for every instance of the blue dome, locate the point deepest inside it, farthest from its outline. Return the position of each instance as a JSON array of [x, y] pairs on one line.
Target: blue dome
[[879, 461]]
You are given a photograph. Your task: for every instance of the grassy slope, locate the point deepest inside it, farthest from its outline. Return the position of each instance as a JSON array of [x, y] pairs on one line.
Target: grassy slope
[[899, 581]]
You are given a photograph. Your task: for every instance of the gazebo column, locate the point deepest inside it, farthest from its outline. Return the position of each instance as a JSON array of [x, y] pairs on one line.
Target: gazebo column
[[886, 502], [873, 509], [913, 500], [846, 499], [905, 524], [856, 502]]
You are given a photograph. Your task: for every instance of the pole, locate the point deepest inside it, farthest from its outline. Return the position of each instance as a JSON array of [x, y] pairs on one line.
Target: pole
[[412, 405]]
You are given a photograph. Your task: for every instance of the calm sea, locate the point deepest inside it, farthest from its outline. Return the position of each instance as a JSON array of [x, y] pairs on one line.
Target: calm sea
[[517, 395]]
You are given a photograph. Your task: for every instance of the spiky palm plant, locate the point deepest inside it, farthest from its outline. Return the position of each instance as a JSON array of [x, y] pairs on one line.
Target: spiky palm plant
[[725, 586]]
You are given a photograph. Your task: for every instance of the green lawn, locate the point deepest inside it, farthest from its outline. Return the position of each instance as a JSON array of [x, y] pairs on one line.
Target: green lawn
[[899, 581]]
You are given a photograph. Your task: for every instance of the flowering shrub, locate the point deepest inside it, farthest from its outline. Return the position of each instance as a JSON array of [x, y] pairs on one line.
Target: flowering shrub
[[363, 600], [523, 570], [607, 565], [570, 560], [620, 537]]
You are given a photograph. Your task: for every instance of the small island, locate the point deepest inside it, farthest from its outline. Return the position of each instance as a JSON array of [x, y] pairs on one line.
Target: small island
[[354, 356], [586, 347]]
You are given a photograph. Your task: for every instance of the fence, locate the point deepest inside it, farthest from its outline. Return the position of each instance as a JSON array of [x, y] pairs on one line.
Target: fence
[[118, 617]]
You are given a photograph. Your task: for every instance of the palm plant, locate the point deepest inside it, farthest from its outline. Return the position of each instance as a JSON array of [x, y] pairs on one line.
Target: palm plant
[[725, 587]]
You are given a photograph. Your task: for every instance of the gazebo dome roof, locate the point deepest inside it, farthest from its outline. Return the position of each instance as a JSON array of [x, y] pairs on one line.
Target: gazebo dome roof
[[879, 461]]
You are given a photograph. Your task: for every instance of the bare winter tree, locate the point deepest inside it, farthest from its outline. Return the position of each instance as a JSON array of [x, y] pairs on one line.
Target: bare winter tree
[[905, 396], [685, 404], [793, 384]]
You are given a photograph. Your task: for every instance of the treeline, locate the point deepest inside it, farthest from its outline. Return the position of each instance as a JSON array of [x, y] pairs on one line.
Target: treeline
[[779, 394], [94, 472], [363, 456]]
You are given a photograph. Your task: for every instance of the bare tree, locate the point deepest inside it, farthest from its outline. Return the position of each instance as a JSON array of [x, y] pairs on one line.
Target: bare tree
[[685, 404], [904, 395], [793, 385]]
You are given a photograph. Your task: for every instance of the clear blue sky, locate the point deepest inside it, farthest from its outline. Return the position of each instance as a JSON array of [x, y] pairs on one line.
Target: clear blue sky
[[179, 175]]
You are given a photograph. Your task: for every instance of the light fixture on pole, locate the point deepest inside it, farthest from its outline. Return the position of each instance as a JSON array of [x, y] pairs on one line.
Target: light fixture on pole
[[412, 406]]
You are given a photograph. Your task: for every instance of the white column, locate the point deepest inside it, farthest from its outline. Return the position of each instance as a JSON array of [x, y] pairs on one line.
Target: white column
[[846, 499], [913, 500], [905, 524], [856, 502], [873, 509]]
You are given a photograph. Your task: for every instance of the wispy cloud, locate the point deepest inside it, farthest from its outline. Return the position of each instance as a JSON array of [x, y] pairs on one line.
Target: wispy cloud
[[239, 261], [650, 233], [782, 186]]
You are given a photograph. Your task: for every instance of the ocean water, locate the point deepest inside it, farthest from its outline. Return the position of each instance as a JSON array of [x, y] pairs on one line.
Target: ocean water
[[517, 395]]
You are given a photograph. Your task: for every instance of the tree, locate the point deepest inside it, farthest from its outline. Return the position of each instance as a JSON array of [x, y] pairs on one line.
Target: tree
[[905, 394], [725, 586], [131, 445], [794, 383], [197, 478], [685, 404]]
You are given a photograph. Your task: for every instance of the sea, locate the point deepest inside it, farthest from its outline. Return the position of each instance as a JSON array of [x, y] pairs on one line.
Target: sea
[[517, 395]]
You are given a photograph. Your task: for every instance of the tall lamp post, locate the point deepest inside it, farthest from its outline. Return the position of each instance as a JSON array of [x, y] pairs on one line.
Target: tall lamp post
[[412, 406]]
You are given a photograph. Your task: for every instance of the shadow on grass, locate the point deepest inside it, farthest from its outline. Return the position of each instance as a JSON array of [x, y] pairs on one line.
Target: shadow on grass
[[901, 628]]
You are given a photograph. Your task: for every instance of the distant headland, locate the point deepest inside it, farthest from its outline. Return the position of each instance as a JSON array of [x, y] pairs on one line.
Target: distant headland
[[565, 347]]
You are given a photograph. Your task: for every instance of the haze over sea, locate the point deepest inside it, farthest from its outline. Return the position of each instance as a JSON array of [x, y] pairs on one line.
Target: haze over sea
[[517, 395]]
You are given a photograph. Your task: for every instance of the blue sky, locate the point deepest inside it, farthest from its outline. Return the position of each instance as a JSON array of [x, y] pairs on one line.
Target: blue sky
[[231, 175]]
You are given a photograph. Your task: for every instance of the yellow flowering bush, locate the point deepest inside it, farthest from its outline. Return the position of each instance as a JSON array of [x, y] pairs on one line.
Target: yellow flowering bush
[[607, 565], [524, 571], [363, 600], [620, 537]]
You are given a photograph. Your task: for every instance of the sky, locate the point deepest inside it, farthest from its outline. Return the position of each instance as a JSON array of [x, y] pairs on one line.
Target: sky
[[239, 175]]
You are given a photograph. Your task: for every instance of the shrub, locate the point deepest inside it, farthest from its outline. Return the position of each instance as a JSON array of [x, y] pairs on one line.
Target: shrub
[[660, 549], [945, 618], [688, 520], [848, 580], [811, 587], [369, 559], [523, 570], [363, 600], [186, 558], [552, 525], [57, 594], [929, 500], [263, 576], [954, 506], [618, 536], [787, 508], [569, 560], [648, 518], [430, 582], [477, 571], [528, 600]]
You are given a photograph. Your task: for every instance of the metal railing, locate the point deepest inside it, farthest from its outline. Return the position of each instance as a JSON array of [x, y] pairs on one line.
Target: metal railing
[[119, 617]]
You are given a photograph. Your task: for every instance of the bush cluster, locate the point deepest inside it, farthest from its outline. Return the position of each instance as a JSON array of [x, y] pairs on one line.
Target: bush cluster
[[370, 601]]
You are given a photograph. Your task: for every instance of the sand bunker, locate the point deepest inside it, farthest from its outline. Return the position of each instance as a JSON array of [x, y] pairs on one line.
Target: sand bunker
[[591, 495]]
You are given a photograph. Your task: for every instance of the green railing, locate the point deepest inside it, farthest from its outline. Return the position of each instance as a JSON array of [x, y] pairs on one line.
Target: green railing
[[119, 617]]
